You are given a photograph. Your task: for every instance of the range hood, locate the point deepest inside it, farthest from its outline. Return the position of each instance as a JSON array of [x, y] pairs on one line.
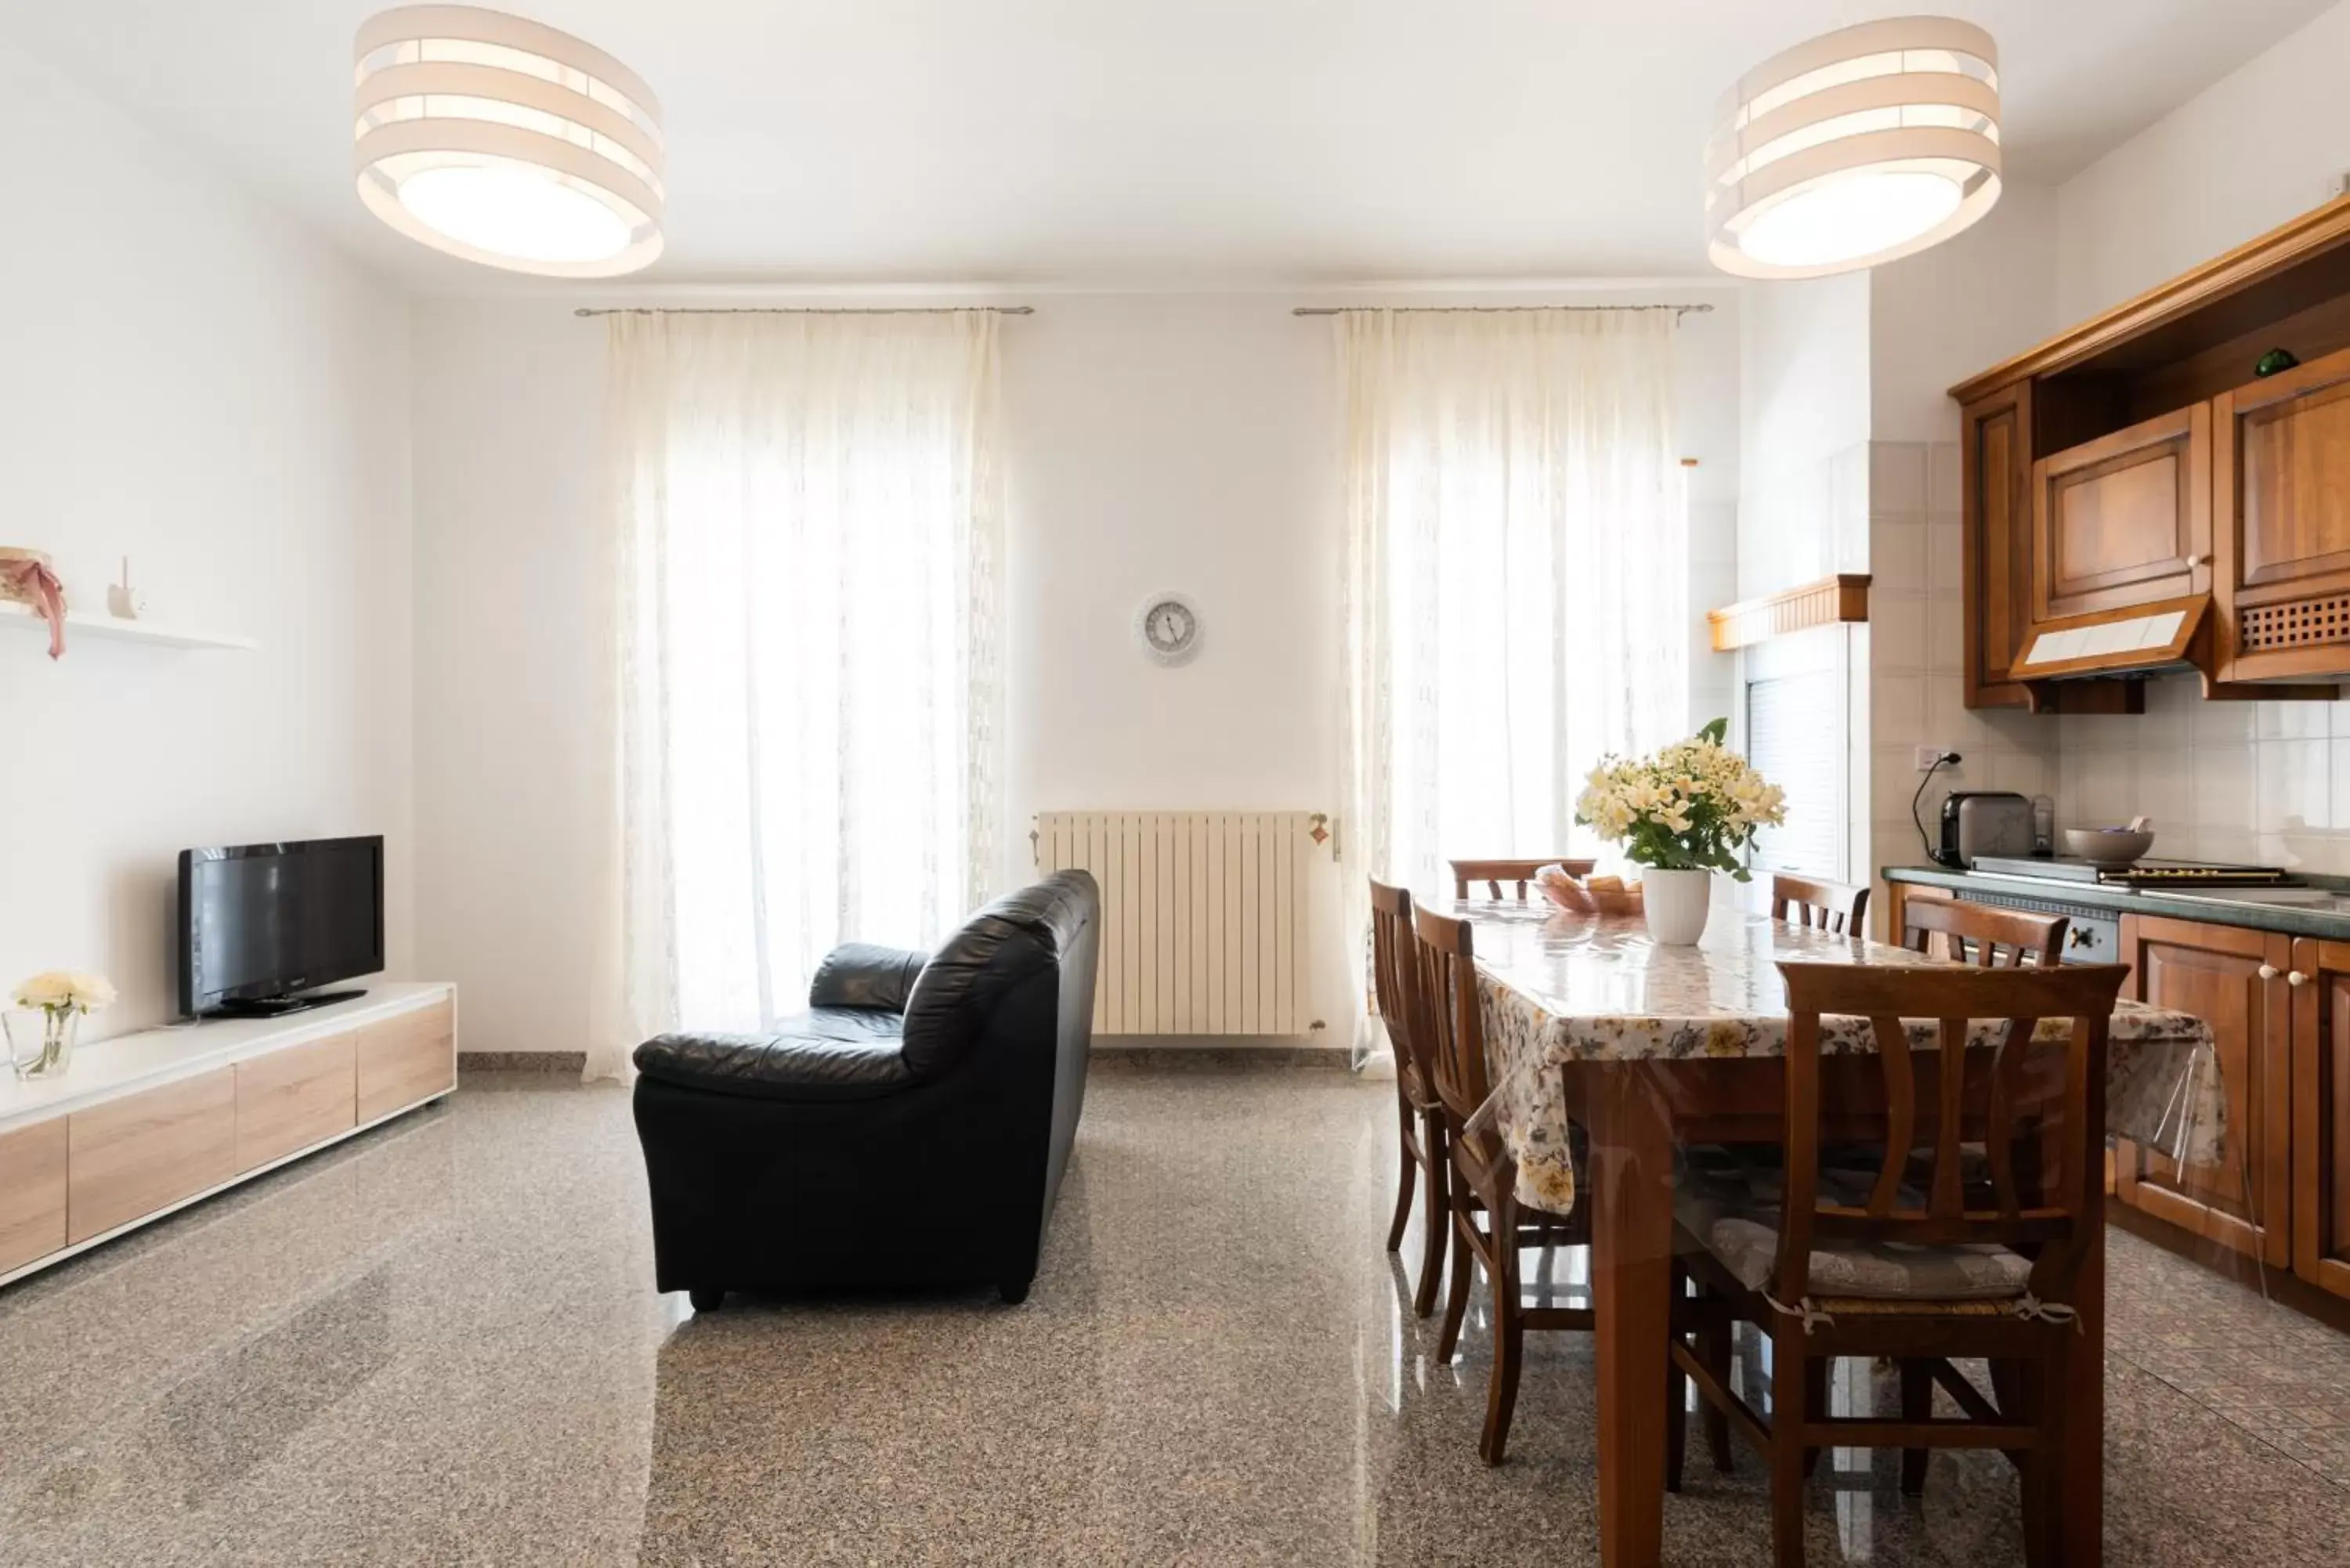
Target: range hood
[[2144, 640]]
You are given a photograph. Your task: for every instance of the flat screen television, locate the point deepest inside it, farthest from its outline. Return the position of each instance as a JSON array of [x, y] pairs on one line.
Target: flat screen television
[[261, 924]]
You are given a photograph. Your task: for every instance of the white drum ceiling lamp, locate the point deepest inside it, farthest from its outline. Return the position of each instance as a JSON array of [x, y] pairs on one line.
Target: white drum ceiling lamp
[[1867, 144], [507, 142]]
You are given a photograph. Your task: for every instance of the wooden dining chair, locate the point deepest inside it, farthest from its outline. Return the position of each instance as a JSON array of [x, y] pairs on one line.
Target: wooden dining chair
[[1483, 1178], [1497, 874], [1919, 1272], [1394, 978], [1982, 934], [1830, 906]]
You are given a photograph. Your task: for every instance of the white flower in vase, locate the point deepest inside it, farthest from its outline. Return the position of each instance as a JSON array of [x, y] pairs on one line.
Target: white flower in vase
[[1687, 812], [62, 997]]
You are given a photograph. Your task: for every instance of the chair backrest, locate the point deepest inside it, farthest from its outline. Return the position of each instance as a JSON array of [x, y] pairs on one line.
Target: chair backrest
[[1829, 906], [1496, 873], [1451, 1024], [1928, 1090], [1980, 934], [1394, 976]]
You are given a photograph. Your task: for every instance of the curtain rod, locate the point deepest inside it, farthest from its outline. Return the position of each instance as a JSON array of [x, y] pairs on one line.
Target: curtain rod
[[807, 310], [1484, 309]]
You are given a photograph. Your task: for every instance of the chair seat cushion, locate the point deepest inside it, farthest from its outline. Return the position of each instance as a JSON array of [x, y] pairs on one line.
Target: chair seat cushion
[[826, 1054], [1735, 1217]]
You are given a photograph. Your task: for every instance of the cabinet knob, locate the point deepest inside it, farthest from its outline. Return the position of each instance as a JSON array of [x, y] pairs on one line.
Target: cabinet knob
[[2296, 978], [2194, 561], [2267, 971]]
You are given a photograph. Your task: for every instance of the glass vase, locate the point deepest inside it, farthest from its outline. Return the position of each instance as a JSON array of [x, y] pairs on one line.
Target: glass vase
[[41, 1040]]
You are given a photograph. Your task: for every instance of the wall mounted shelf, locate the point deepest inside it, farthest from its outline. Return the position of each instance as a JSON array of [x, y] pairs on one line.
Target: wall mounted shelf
[[1842, 597], [82, 623]]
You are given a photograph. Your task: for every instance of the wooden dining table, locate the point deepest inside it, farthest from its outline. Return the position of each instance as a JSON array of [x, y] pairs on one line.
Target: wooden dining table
[[1652, 1048]]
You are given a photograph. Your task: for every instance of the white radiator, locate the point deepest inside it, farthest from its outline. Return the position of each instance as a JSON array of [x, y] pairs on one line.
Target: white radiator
[[1203, 915]]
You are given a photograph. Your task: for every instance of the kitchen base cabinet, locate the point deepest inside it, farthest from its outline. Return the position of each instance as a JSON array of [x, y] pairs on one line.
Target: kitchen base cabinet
[[2238, 982], [2320, 1114]]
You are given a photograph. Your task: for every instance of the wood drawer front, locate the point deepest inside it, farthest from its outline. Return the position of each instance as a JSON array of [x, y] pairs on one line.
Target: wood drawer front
[[32, 1192], [2284, 478], [405, 1059], [2125, 520], [146, 1151], [292, 1098]]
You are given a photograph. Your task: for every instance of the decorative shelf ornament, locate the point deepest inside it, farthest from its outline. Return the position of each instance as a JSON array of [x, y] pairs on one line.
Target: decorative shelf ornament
[[26, 577]]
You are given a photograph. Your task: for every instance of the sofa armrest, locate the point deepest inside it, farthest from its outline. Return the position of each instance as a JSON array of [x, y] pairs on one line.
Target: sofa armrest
[[788, 1066], [860, 975]]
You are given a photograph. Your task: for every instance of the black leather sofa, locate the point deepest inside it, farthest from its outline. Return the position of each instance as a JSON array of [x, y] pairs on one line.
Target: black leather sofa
[[909, 1129]]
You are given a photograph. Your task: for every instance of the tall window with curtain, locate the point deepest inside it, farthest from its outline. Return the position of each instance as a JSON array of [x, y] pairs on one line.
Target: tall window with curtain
[[805, 530], [1516, 575]]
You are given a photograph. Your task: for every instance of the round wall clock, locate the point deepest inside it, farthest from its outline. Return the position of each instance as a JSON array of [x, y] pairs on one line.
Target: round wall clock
[[1168, 628]]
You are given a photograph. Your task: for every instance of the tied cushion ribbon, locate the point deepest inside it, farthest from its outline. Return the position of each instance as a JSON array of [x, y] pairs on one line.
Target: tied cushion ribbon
[[38, 584]]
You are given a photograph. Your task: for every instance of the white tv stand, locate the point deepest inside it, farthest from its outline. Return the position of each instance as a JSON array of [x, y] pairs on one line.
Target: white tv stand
[[146, 1124]]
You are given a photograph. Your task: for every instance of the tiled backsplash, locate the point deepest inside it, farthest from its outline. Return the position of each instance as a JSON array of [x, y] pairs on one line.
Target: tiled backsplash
[[2267, 781], [1917, 695]]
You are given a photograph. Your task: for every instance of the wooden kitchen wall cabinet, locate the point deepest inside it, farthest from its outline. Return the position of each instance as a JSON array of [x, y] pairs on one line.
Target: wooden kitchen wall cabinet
[[2237, 981], [2282, 466], [2124, 520], [1996, 483], [2135, 460]]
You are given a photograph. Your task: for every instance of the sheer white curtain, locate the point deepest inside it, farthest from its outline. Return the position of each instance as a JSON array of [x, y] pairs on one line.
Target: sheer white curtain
[[1517, 576], [806, 515]]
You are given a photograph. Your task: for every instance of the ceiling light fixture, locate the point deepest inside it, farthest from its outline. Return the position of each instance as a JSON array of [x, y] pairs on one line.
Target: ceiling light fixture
[[507, 142], [1867, 144]]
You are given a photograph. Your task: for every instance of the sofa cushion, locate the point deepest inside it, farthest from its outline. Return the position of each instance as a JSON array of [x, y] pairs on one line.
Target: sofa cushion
[[860, 974], [826, 1054], [1012, 939]]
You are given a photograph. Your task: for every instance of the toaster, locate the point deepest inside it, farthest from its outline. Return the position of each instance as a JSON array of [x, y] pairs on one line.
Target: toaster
[[1979, 822]]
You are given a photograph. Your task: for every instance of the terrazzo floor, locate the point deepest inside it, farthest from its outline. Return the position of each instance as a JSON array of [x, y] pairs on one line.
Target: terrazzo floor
[[439, 1344]]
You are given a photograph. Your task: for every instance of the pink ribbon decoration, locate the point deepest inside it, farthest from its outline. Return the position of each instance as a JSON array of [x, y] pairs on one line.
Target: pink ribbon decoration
[[34, 578]]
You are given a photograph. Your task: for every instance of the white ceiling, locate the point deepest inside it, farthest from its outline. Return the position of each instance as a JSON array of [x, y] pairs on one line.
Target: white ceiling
[[1099, 140]]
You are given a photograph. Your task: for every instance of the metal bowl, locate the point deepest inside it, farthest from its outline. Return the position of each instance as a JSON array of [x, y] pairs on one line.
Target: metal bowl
[[2111, 848]]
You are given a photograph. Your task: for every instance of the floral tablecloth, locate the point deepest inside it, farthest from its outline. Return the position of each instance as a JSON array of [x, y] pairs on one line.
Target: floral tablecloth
[[1556, 988]]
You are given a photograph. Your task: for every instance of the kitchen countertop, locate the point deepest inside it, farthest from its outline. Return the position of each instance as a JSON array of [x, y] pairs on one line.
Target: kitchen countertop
[[2329, 920]]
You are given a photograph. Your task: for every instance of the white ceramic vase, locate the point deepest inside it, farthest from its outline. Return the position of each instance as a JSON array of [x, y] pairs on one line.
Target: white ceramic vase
[[1676, 903]]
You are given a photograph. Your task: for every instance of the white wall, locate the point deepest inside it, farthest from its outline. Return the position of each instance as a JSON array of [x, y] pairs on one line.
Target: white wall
[[1156, 441], [1948, 313], [192, 381], [1804, 410], [1850, 464], [2264, 143], [508, 401], [1935, 318], [1802, 503]]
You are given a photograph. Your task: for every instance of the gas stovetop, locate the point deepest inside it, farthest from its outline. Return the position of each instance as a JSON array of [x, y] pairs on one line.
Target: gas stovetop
[[2145, 874]]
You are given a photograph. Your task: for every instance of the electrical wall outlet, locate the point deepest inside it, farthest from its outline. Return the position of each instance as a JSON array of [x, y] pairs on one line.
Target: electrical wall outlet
[[1930, 756]]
